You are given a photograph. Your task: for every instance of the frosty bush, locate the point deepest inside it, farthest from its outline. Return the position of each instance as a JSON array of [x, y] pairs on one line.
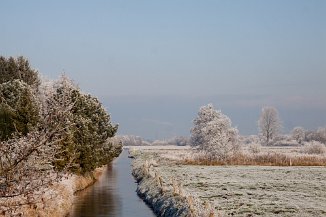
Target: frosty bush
[[212, 133], [254, 148], [179, 141], [318, 135], [313, 147], [298, 133], [131, 140], [322, 134], [249, 139], [283, 140]]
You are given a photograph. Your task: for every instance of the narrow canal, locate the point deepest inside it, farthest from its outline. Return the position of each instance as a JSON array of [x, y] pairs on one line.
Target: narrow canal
[[114, 194]]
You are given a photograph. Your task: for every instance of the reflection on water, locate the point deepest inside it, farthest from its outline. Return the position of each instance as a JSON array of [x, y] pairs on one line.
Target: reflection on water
[[112, 195]]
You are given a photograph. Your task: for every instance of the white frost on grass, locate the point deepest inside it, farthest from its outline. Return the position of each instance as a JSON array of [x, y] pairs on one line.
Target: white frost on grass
[[265, 191], [246, 190], [164, 194]]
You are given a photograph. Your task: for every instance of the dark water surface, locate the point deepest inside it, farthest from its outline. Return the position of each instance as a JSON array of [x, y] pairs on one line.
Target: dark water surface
[[114, 194]]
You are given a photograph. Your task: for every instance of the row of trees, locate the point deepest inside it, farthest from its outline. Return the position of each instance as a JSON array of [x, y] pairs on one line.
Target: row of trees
[[213, 134], [131, 140], [47, 128], [270, 125]]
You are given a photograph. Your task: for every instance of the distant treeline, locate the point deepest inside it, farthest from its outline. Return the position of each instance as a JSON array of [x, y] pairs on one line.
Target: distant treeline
[[131, 140]]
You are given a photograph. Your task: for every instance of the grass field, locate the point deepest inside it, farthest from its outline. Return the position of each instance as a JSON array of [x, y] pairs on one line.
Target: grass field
[[247, 190]]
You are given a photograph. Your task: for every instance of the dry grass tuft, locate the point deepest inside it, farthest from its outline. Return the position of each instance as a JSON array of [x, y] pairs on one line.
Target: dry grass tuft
[[262, 159]]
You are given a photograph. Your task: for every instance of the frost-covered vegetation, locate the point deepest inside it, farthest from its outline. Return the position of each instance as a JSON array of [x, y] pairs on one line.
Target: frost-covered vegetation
[[225, 174], [218, 143], [213, 134], [47, 129], [164, 194], [229, 190], [269, 124], [131, 140], [313, 147]]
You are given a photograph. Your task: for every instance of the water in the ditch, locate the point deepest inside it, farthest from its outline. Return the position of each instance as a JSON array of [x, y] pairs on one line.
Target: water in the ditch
[[112, 195]]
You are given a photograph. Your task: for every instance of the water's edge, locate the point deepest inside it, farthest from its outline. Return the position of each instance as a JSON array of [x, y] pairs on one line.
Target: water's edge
[[163, 203], [114, 194]]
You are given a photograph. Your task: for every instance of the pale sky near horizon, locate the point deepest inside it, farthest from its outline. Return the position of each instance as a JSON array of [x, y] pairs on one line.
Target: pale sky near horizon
[[147, 55]]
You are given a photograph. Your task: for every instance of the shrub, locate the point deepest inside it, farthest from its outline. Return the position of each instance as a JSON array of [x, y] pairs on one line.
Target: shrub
[[255, 148], [298, 133], [318, 135], [313, 147], [284, 140]]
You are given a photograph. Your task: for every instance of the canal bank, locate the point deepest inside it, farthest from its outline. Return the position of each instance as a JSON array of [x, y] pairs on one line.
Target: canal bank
[[114, 194]]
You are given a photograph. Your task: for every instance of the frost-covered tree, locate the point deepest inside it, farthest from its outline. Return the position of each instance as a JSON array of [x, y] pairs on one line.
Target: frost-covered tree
[[91, 128], [213, 134], [18, 68], [19, 109], [205, 115], [179, 141], [322, 134], [317, 135], [131, 140], [59, 130], [26, 162], [298, 133], [269, 124]]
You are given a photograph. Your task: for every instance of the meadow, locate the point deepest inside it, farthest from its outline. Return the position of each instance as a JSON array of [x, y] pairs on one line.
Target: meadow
[[240, 190]]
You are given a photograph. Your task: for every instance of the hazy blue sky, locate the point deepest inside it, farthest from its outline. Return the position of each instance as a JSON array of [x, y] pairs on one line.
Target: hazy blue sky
[[153, 63]]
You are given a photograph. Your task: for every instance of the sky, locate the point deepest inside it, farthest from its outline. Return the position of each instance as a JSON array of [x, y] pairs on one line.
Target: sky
[[154, 63]]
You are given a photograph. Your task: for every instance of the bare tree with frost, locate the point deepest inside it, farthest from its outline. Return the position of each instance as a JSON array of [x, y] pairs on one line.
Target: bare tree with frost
[[269, 124], [213, 134]]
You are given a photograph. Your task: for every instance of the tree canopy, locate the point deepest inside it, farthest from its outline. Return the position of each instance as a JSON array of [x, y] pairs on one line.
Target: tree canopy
[[269, 124], [18, 68], [47, 129], [213, 134], [19, 109]]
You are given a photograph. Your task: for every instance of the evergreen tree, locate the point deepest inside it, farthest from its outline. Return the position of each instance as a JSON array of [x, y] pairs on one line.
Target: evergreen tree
[[19, 110], [18, 68], [88, 135]]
